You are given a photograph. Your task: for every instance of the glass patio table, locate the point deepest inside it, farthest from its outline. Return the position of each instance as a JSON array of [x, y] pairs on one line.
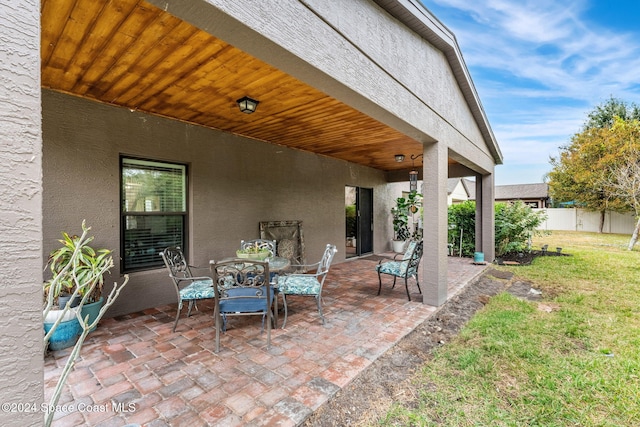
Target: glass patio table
[[277, 264]]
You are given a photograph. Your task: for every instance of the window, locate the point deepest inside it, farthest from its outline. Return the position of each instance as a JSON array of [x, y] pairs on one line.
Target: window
[[153, 211]]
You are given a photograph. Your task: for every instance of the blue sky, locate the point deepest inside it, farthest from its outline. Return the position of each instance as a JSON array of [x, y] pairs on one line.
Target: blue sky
[[540, 66]]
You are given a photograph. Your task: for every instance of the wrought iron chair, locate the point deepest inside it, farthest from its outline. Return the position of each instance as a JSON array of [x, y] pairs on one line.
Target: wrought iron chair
[[261, 244], [242, 288], [188, 287], [269, 245], [307, 284], [405, 268]]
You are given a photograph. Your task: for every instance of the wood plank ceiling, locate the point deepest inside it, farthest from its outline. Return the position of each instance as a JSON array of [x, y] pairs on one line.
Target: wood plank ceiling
[[131, 54]]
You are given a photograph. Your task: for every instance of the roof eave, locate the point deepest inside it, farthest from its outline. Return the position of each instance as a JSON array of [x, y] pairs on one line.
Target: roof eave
[[419, 19]]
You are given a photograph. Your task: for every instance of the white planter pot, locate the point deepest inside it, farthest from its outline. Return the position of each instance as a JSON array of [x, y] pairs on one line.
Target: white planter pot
[[399, 246]]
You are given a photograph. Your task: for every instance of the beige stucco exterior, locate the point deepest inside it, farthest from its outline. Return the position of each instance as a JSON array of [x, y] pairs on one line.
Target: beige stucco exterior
[[20, 213], [234, 184], [60, 154]]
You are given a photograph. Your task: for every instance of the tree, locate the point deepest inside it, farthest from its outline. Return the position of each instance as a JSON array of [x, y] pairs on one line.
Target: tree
[[603, 115], [578, 174], [623, 180], [583, 169]]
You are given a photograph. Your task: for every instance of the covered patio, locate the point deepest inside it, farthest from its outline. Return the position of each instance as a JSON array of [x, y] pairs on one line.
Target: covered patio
[[134, 370], [345, 89]]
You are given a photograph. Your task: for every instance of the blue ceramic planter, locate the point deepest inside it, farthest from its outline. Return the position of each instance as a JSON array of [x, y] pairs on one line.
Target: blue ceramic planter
[[92, 309], [65, 335]]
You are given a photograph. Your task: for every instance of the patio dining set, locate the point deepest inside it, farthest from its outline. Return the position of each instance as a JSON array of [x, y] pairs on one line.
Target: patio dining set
[[248, 284], [252, 282]]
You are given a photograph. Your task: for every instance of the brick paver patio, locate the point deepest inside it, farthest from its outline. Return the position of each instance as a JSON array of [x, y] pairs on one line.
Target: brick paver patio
[[134, 370]]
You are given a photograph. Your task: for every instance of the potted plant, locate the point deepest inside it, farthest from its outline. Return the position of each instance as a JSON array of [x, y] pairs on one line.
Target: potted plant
[[78, 268], [253, 252], [400, 214], [77, 280], [404, 208]]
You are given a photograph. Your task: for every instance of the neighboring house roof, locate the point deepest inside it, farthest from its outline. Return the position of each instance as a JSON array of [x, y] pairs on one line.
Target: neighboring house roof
[[451, 184], [522, 191], [467, 184], [516, 191], [470, 186]]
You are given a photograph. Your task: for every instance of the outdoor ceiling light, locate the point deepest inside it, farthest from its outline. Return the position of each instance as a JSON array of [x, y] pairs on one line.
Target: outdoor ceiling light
[[247, 105], [399, 158]]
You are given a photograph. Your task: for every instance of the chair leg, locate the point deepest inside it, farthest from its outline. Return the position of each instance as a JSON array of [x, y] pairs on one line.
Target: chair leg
[[284, 302], [406, 285], [275, 310], [379, 283], [394, 281], [418, 284], [269, 320], [177, 316], [224, 322], [192, 302], [319, 302], [216, 314]]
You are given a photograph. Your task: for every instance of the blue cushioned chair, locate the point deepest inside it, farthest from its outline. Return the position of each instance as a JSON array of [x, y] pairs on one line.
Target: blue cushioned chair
[[242, 288], [188, 287], [307, 284], [406, 267]]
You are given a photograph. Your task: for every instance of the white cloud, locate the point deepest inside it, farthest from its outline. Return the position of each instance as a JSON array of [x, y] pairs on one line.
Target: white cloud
[[540, 66], [549, 43]]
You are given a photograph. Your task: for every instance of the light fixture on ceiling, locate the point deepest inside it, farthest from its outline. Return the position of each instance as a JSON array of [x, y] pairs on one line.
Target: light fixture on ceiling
[[247, 105], [399, 158], [413, 175]]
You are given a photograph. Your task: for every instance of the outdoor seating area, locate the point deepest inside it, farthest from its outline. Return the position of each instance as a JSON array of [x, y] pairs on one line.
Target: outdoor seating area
[[146, 374]]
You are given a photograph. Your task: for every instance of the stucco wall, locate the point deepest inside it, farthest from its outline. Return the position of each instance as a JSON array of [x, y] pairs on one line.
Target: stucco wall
[[20, 215], [234, 184], [424, 73]]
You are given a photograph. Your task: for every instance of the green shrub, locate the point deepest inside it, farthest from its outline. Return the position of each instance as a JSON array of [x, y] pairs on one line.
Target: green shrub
[[516, 223], [350, 215], [462, 221]]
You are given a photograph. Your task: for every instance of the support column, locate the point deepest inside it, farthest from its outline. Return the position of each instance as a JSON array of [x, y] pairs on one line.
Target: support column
[[21, 332], [485, 216], [434, 259]]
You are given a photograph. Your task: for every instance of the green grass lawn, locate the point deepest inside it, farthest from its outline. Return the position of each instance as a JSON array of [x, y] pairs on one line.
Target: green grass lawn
[[572, 359]]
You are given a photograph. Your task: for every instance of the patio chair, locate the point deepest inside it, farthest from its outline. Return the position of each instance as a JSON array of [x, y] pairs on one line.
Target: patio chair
[[309, 283], [270, 245], [188, 287], [242, 288], [406, 267]]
